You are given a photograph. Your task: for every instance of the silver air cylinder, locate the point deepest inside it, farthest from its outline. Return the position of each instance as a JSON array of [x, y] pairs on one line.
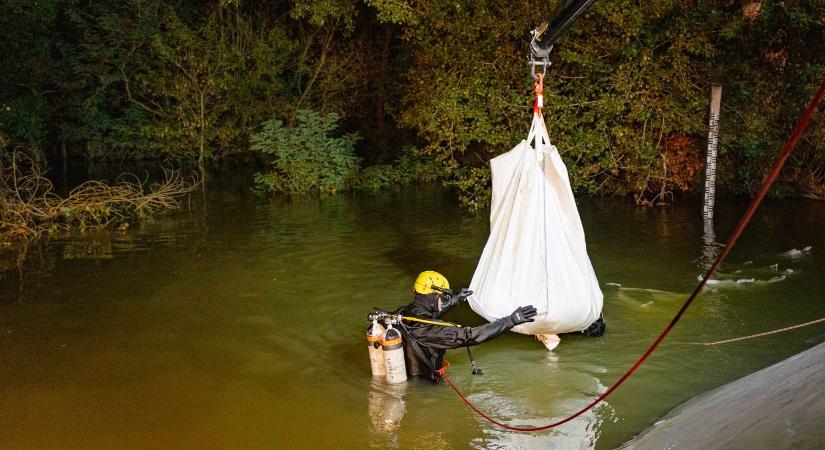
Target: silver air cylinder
[[375, 334], [394, 356]]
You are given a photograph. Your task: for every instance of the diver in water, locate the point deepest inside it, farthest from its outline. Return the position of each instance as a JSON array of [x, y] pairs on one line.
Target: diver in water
[[425, 343]]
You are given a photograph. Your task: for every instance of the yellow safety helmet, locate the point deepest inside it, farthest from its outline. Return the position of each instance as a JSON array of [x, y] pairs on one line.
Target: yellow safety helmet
[[427, 279]]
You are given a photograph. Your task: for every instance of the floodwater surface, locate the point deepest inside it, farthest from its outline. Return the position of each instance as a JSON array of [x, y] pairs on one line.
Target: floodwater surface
[[239, 323]]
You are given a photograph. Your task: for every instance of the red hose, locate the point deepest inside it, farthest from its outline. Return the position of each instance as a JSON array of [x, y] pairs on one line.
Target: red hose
[[743, 222]]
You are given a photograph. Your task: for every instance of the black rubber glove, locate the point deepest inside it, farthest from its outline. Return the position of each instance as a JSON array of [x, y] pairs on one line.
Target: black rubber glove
[[455, 299], [523, 314], [462, 295]]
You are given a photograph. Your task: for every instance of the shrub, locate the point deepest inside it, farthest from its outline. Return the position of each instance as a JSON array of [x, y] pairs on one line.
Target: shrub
[[411, 166], [312, 155], [375, 177]]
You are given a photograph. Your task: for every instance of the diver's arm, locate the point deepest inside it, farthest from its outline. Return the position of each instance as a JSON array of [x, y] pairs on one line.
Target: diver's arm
[[438, 336], [483, 333]]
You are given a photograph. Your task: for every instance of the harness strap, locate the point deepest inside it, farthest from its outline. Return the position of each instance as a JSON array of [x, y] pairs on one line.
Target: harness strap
[[420, 352], [431, 322]]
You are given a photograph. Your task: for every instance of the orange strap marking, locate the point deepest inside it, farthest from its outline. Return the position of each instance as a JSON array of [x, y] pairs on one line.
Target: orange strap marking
[[539, 89]]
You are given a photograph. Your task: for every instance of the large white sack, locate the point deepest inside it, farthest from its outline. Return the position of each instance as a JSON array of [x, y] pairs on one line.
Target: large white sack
[[536, 253]]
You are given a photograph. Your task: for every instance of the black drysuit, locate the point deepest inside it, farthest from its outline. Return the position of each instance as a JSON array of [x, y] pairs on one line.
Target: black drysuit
[[425, 344]]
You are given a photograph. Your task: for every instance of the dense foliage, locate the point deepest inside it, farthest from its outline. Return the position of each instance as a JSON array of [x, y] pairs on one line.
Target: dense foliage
[[307, 156], [432, 88]]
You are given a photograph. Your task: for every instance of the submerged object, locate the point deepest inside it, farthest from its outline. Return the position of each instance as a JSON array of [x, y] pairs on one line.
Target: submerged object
[[550, 341], [374, 335], [796, 253], [536, 252], [393, 349]]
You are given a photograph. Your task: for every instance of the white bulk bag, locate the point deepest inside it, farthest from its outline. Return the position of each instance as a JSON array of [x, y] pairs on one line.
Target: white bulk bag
[[536, 253]]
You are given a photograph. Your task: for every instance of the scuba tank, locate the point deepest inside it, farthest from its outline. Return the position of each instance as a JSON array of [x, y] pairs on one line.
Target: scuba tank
[[374, 335], [394, 356]]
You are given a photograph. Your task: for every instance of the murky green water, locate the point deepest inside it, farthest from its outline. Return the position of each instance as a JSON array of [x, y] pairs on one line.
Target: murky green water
[[240, 325]]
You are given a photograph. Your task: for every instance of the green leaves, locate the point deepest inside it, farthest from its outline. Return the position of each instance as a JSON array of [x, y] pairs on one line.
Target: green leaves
[[399, 12], [320, 13], [311, 156]]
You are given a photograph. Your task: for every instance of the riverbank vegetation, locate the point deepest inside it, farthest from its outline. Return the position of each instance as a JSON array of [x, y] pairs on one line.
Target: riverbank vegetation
[[314, 156], [346, 94], [29, 206]]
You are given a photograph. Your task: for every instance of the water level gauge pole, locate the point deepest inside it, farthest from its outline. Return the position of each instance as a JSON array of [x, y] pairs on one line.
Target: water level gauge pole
[[710, 249], [713, 143]]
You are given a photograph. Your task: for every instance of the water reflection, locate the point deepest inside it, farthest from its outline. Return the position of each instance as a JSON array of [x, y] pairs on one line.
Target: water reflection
[[386, 409], [582, 432], [710, 248]]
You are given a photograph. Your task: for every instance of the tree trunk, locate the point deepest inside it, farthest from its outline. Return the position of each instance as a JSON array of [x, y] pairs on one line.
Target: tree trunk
[[381, 98], [202, 151]]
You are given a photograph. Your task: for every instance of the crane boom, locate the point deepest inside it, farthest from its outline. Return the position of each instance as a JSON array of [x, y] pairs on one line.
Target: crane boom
[[546, 34]]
